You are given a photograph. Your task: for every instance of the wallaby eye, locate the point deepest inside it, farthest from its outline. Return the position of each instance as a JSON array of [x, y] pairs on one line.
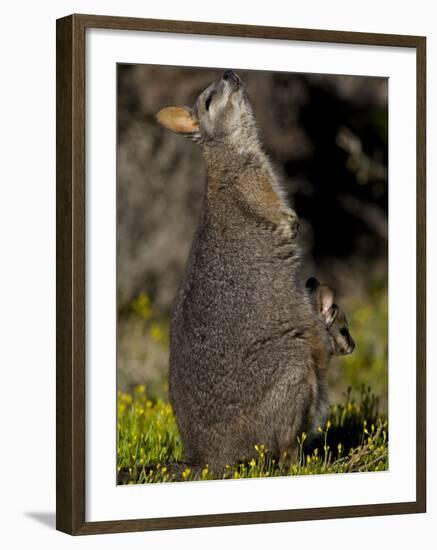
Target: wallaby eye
[[344, 332], [208, 102]]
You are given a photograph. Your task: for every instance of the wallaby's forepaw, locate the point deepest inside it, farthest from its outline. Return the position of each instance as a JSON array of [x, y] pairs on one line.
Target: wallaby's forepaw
[[288, 228], [294, 224]]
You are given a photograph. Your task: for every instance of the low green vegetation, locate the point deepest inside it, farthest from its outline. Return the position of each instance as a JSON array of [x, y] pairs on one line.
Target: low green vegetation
[[368, 364], [354, 439]]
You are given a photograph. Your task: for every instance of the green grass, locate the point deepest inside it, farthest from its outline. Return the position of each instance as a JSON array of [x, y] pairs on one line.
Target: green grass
[[354, 439], [368, 364]]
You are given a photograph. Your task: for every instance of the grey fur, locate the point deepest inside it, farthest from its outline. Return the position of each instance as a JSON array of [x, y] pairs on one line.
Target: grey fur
[[247, 355], [334, 318]]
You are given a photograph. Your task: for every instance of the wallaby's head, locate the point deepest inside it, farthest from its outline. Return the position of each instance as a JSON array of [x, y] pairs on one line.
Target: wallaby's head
[[222, 114], [334, 318]]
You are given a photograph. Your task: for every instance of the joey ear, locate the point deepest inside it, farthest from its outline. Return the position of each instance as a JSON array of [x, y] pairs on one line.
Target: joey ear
[[331, 315], [312, 284], [178, 119], [325, 299]]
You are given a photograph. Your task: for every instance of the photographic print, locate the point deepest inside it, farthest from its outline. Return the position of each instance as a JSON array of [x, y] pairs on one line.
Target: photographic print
[[240, 274], [252, 274]]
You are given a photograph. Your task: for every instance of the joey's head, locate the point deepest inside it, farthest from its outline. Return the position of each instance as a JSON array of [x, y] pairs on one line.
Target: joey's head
[[322, 298], [221, 115]]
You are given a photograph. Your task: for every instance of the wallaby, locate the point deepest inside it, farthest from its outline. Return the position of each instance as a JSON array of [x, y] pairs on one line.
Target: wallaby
[[247, 354], [322, 298]]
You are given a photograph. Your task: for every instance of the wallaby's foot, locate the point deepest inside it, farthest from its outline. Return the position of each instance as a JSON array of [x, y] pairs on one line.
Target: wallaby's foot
[[288, 228], [287, 459]]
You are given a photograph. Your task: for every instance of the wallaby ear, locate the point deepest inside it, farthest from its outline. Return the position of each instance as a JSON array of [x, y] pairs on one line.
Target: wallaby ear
[[312, 284], [331, 315], [325, 299], [178, 119]]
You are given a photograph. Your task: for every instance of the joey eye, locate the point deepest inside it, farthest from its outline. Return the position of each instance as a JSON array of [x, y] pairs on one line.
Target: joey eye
[[344, 331], [208, 102]]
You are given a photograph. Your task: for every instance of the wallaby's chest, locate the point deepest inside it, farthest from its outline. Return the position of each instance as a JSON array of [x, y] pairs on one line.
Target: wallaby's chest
[[236, 291]]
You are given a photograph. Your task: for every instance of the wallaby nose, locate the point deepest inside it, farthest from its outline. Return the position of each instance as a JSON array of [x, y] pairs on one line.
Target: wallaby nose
[[230, 75]]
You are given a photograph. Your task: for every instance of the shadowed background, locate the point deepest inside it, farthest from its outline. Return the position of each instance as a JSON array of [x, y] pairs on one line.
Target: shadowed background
[[327, 137]]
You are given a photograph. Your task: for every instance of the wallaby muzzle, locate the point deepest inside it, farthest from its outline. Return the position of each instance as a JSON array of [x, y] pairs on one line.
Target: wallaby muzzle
[[232, 78]]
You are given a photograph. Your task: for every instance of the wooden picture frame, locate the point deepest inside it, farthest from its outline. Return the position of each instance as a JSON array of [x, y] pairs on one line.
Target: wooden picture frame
[[71, 254]]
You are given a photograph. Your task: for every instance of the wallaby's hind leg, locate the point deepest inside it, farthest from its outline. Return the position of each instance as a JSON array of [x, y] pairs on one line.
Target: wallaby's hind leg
[[288, 448], [296, 405], [228, 444]]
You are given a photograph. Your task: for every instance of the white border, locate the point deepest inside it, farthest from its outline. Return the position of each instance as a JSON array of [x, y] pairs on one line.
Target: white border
[[106, 501]]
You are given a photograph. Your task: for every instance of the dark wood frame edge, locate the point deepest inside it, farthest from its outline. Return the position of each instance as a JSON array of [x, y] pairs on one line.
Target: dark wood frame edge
[[70, 274]]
